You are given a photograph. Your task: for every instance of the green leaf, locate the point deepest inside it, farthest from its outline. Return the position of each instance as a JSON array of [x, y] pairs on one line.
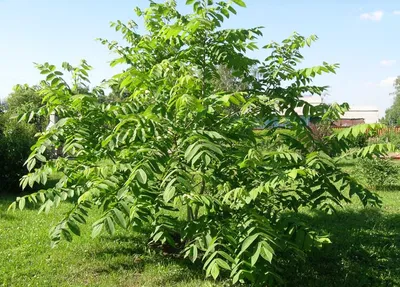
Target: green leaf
[[267, 252], [226, 256], [21, 203], [214, 148], [189, 2], [55, 82], [12, 206], [248, 241], [74, 227], [79, 218], [109, 225], [193, 253], [169, 193], [239, 2], [66, 235], [141, 176], [40, 157], [127, 81], [97, 228], [192, 151], [119, 218], [42, 197], [225, 12], [157, 236], [31, 164], [254, 257], [214, 270], [57, 200], [233, 11], [221, 263]]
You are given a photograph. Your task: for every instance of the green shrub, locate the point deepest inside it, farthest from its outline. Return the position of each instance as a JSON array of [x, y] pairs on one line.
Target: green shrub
[[390, 136], [359, 142], [378, 173], [16, 140]]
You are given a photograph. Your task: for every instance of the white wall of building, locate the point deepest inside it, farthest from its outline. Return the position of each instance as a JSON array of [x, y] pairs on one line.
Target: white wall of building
[[369, 114]]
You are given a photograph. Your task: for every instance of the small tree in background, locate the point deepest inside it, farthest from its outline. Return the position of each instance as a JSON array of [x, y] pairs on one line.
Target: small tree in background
[[392, 114], [175, 146], [26, 98]]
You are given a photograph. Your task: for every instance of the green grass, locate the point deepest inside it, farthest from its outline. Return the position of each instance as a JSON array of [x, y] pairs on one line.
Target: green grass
[[26, 258], [365, 251]]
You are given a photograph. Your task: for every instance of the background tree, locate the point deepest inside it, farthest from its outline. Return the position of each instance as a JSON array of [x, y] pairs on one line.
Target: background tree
[[392, 115], [225, 80], [174, 158], [16, 138], [26, 98]]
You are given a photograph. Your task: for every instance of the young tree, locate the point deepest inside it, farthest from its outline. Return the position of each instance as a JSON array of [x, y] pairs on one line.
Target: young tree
[[176, 147]]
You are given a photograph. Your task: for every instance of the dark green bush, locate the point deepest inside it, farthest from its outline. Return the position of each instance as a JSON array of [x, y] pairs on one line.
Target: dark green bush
[[15, 142], [17, 138], [360, 141]]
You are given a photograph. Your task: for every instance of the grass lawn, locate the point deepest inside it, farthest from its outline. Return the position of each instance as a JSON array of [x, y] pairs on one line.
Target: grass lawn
[[365, 249], [365, 252], [26, 258]]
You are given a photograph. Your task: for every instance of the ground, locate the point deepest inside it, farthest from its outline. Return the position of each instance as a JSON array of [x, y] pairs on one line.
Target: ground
[[365, 251], [27, 260]]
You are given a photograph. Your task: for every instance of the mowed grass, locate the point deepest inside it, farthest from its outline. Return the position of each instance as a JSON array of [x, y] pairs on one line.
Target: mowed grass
[[365, 251], [26, 258]]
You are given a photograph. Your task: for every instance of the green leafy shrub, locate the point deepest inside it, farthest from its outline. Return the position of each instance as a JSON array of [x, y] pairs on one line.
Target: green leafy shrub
[[16, 140], [390, 135], [360, 142], [175, 158], [379, 173]]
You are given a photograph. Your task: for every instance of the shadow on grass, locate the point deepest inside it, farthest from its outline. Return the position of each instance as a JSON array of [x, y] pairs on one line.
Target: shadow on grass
[[4, 215], [130, 252], [389, 188], [365, 251], [5, 202]]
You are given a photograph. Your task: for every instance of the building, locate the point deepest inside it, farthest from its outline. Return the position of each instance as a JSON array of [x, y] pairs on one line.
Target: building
[[369, 114], [355, 115]]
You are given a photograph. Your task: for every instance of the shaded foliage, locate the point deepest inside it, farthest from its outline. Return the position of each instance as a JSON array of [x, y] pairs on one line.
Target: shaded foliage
[[17, 138]]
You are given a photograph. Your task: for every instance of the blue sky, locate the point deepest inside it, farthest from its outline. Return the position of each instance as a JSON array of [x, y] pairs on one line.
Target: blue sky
[[361, 35]]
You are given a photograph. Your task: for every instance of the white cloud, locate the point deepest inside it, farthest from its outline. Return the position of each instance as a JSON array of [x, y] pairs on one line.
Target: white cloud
[[396, 12], [388, 82], [387, 63], [373, 16]]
